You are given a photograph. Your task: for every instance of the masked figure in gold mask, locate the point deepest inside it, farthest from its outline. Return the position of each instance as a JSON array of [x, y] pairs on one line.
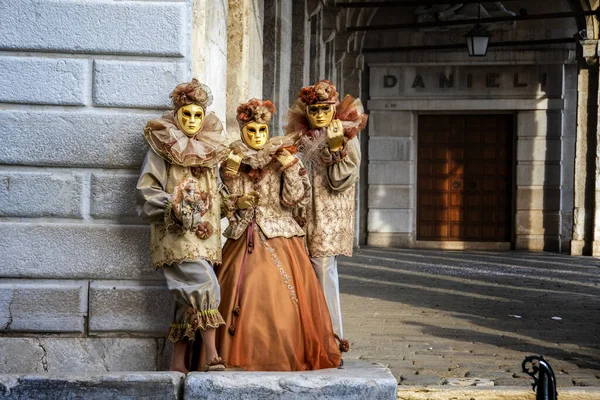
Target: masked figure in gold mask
[[272, 303], [179, 189], [325, 132]]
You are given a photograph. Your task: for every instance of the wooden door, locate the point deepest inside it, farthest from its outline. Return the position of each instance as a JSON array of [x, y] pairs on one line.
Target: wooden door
[[464, 185]]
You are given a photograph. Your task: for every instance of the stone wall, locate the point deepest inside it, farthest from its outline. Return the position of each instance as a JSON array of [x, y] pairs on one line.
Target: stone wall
[[78, 81]]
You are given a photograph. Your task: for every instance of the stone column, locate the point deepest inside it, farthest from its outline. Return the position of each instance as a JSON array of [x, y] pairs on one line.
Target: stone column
[[244, 57], [585, 181], [209, 49], [299, 69], [277, 52], [593, 57]]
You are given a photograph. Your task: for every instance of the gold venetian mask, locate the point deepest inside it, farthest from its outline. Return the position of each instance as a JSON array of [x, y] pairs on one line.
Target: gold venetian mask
[[319, 115], [255, 135], [190, 118]]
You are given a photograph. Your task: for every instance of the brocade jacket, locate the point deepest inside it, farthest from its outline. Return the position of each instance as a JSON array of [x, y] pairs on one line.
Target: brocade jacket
[[329, 216], [172, 159], [281, 188]]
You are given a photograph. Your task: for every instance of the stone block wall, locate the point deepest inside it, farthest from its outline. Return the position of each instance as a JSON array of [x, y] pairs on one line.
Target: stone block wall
[[78, 81], [538, 180], [391, 178]]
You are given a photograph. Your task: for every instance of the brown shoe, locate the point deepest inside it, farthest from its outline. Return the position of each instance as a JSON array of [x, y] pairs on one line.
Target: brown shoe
[[216, 364], [344, 344]]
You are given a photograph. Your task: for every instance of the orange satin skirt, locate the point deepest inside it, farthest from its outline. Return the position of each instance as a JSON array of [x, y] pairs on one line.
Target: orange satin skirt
[[283, 322]]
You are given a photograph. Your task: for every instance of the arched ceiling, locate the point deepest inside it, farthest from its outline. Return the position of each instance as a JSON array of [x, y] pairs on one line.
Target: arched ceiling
[[352, 17]]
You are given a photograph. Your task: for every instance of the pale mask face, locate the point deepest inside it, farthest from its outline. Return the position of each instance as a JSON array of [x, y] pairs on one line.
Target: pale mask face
[[255, 135], [190, 118], [319, 115]]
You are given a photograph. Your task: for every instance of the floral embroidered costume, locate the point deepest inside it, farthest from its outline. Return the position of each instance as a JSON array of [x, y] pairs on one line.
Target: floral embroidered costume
[[325, 132], [276, 315], [179, 189]]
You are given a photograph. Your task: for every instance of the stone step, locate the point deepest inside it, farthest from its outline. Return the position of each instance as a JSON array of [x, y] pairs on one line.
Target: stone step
[[357, 380], [115, 385]]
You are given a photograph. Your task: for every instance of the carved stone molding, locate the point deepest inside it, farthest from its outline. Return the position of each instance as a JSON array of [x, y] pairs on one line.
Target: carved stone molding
[[590, 51]]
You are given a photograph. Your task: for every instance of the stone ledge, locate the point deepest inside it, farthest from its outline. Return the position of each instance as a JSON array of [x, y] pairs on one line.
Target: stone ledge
[[146, 385], [357, 380], [492, 393]]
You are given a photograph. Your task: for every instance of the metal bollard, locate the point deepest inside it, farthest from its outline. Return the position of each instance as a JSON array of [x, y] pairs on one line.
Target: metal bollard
[[545, 381]]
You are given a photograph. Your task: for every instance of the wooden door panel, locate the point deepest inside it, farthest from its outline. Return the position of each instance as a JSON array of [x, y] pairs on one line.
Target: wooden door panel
[[489, 153], [441, 168], [441, 199], [473, 216], [464, 185], [425, 153], [426, 214], [440, 230], [426, 200], [456, 200], [489, 185], [455, 215], [441, 154], [456, 231], [426, 184], [442, 184]]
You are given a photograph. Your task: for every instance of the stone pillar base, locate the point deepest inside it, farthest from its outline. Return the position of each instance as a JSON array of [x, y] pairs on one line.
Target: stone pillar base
[[537, 242], [577, 247], [596, 249]]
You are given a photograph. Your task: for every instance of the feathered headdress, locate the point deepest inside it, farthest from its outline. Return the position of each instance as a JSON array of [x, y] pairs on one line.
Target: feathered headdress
[[255, 110], [192, 92]]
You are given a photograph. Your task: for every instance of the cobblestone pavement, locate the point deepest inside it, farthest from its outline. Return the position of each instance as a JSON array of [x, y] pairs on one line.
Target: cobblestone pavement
[[431, 315]]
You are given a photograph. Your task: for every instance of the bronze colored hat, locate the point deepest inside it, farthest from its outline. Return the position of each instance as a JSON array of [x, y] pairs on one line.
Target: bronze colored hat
[[323, 92], [192, 92], [255, 110]]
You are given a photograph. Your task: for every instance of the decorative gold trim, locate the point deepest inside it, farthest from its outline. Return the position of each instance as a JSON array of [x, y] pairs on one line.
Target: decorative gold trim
[[288, 280]]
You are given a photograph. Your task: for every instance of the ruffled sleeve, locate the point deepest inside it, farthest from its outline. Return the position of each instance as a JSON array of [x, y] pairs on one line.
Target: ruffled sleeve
[[153, 200], [228, 203], [343, 167], [230, 191], [296, 188]]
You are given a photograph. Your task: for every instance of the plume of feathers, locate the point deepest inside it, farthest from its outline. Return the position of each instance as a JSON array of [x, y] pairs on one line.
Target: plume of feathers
[[311, 147]]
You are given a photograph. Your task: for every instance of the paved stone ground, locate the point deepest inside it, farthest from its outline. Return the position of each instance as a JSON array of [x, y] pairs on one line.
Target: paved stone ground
[[431, 315]]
